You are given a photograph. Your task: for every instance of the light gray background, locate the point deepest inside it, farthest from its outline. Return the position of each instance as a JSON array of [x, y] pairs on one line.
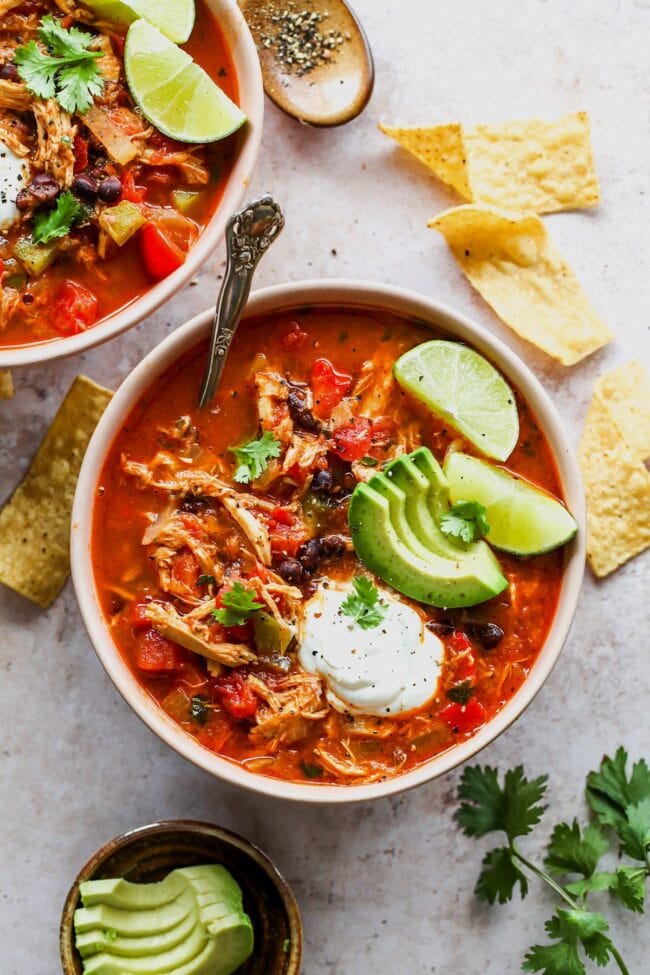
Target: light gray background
[[386, 886]]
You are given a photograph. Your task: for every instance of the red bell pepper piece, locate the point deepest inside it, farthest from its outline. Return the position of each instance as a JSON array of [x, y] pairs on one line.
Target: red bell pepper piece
[[462, 718]]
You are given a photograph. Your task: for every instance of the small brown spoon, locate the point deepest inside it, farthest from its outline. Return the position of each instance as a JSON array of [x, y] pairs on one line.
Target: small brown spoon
[[332, 92]]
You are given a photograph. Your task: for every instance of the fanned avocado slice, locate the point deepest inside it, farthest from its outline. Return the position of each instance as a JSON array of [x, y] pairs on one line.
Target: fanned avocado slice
[[468, 579], [135, 923], [153, 963], [426, 498], [107, 939], [127, 896], [397, 503]]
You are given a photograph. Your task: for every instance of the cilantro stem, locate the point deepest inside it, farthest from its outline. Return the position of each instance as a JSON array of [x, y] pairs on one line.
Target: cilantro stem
[[558, 888], [619, 961]]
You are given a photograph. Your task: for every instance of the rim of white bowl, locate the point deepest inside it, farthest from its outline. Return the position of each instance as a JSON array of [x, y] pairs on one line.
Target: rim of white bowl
[[345, 294], [251, 99]]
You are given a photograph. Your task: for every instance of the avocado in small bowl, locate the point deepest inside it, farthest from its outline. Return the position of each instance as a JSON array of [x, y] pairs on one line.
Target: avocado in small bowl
[[150, 854]]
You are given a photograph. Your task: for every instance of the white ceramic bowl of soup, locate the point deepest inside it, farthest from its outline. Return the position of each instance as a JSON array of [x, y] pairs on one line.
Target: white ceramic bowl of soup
[[346, 294], [251, 100]]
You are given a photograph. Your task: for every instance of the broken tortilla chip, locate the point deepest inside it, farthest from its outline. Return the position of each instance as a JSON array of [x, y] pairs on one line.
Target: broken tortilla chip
[[6, 384], [528, 164], [35, 522], [509, 259], [617, 484]]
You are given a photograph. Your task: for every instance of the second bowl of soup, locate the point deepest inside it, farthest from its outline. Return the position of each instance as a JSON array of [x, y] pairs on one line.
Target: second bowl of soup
[[355, 568]]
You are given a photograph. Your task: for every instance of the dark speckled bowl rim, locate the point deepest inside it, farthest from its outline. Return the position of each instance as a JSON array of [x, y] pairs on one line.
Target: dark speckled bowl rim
[[87, 872]]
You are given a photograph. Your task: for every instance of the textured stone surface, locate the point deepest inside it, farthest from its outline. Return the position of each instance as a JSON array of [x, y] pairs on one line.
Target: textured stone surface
[[386, 885]]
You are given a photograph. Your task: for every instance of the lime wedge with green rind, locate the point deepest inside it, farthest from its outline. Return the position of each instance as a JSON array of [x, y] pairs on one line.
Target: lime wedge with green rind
[[465, 390], [523, 519], [175, 18], [173, 92]]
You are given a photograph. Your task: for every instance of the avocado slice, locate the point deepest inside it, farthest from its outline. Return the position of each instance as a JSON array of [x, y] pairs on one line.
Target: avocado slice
[[426, 498], [153, 963], [472, 577], [108, 940], [127, 896], [135, 923], [397, 503]]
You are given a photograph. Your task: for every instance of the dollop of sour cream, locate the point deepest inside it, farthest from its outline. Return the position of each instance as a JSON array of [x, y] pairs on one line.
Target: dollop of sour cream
[[13, 178], [388, 669]]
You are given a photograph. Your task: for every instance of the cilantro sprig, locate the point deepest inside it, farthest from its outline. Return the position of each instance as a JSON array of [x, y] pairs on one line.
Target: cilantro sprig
[[237, 606], [465, 520], [51, 224], [254, 457], [364, 604], [571, 867], [66, 71]]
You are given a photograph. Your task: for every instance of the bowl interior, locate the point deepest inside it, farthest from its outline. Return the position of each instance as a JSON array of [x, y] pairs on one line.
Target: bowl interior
[[347, 294], [151, 852], [251, 98]]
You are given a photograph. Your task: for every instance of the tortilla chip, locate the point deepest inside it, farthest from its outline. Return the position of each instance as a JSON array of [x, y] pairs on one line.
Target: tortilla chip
[[521, 165], [509, 259], [6, 384], [617, 484], [35, 522]]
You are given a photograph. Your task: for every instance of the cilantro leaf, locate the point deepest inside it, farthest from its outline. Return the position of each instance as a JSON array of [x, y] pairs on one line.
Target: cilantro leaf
[[199, 709], [364, 604], [206, 580], [604, 880], [465, 520], [311, 770], [50, 224], [67, 71], [237, 606], [634, 833], [573, 851], [499, 876], [630, 887], [253, 457], [610, 792], [489, 807], [557, 959]]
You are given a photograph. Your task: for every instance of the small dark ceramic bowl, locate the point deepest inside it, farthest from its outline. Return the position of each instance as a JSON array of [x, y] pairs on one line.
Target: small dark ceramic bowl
[[150, 852]]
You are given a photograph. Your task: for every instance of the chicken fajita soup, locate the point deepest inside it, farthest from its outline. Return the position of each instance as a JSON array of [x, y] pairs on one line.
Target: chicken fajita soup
[[347, 563], [97, 201]]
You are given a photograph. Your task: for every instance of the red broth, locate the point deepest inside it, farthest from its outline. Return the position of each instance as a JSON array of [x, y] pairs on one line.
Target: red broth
[[41, 308], [127, 577]]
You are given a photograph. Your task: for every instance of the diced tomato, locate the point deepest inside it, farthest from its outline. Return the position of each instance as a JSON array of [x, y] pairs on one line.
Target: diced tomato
[[160, 177], [259, 572], [352, 442], [131, 192], [235, 695], [67, 21], [185, 569], [464, 666], [462, 718], [286, 539], [459, 641], [282, 516], [164, 243], [156, 654], [80, 153], [328, 386], [74, 309], [292, 336], [191, 523], [138, 618]]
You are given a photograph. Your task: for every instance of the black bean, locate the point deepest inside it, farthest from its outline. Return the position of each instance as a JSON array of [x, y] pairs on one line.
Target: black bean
[[487, 634], [44, 188], [9, 72], [194, 504], [84, 185], [310, 554], [440, 627], [110, 190], [301, 416], [348, 481], [322, 482], [333, 545], [291, 571], [24, 200]]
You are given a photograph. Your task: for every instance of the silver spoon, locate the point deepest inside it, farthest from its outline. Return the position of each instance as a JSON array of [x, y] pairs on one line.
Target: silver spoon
[[249, 234]]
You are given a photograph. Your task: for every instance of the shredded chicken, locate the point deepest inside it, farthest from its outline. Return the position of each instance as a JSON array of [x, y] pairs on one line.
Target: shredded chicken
[[375, 386], [251, 526], [195, 635], [289, 710], [7, 5], [350, 768], [109, 66], [55, 137], [122, 133], [272, 409], [304, 451], [13, 133], [198, 482], [14, 95], [193, 170], [9, 304], [172, 535]]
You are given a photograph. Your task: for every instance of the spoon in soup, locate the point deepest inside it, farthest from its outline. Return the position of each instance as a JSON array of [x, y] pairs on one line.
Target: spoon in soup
[[249, 234], [316, 61]]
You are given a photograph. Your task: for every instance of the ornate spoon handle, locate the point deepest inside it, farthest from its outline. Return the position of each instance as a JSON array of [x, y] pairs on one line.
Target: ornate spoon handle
[[249, 234]]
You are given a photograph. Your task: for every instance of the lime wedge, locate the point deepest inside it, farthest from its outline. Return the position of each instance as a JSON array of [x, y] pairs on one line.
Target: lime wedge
[[523, 519], [464, 389], [175, 18], [174, 93]]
